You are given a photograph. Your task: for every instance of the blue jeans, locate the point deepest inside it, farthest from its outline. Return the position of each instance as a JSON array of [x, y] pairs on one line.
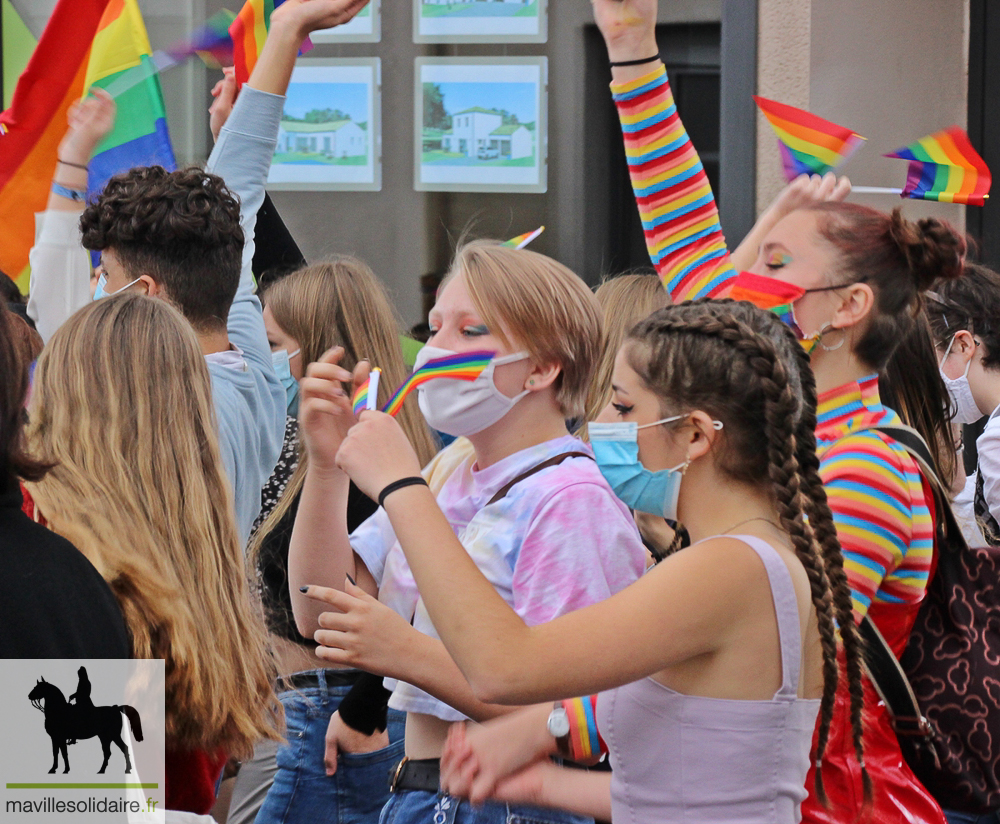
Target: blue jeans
[[302, 792], [956, 817], [419, 807]]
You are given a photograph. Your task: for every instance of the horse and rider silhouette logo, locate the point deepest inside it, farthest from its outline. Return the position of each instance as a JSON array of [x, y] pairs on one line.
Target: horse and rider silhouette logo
[[67, 722]]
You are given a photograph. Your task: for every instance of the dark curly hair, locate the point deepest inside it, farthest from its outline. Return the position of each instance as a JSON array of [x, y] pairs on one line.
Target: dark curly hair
[[180, 228]]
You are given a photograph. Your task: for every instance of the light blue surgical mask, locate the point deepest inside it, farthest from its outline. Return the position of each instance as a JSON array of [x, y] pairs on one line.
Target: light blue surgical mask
[[283, 370], [102, 281], [616, 450]]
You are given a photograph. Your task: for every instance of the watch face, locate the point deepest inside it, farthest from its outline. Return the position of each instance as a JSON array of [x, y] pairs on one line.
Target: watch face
[[558, 723]]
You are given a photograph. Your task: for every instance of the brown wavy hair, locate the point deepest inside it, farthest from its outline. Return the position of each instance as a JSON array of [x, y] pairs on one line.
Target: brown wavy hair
[[180, 228], [140, 489], [744, 367], [897, 258], [340, 302]]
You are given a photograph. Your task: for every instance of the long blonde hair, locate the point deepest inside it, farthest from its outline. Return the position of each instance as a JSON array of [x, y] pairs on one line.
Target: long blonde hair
[[123, 407], [625, 300], [340, 302]]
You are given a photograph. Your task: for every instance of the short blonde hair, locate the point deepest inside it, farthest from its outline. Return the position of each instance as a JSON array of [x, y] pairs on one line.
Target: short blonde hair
[[546, 309]]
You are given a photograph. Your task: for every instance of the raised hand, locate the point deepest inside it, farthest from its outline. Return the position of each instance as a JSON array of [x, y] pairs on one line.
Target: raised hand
[[377, 452], [90, 121], [224, 93], [325, 413], [342, 738], [806, 190], [362, 633], [628, 27], [307, 16]]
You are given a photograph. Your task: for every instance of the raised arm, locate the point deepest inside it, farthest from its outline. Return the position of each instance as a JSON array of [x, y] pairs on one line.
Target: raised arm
[[679, 217], [60, 266]]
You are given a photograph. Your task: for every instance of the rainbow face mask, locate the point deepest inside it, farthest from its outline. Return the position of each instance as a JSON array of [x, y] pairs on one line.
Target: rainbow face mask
[[776, 296]]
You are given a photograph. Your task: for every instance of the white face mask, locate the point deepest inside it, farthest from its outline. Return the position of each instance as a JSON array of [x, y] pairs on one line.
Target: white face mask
[[458, 407], [966, 408]]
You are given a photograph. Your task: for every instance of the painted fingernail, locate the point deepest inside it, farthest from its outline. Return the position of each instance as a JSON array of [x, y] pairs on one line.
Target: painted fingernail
[[304, 589], [353, 582]]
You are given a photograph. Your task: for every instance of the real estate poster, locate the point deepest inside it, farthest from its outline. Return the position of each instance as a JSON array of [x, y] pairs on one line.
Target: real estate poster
[[481, 124], [364, 27], [479, 21], [330, 136]]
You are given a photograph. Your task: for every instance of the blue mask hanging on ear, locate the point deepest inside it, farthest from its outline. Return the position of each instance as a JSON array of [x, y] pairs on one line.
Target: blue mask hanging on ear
[[616, 450], [283, 370]]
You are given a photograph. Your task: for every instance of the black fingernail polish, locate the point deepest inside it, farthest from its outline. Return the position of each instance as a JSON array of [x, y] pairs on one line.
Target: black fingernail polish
[[304, 589], [353, 582]]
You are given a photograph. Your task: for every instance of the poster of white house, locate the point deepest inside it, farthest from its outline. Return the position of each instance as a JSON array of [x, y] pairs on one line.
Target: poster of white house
[[480, 124], [329, 137], [479, 21]]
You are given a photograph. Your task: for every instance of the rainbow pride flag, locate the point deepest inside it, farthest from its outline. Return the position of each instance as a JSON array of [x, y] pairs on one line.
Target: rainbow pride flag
[[121, 63], [366, 395], [945, 167], [211, 42], [521, 241], [466, 366], [808, 144], [35, 123], [249, 31]]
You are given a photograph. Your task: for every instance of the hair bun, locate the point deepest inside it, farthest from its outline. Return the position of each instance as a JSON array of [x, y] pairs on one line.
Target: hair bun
[[933, 249]]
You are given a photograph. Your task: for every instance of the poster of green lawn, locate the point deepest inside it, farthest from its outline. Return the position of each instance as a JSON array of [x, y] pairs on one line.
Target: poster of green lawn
[[330, 131], [364, 27], [481, 124], [479, 21]]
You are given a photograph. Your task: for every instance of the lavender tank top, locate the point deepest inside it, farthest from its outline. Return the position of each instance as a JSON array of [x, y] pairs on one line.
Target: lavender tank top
[[685, 758]]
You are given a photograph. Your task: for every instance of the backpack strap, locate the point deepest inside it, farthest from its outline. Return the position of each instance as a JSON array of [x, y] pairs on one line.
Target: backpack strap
[[553, 461]]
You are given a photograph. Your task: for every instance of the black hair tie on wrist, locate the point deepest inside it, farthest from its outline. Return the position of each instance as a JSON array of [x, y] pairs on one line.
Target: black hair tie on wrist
[[652, 59], [413, 480]]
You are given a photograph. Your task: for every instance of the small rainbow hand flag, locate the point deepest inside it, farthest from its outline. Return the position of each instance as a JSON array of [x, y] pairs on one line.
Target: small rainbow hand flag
[[465, 366], [808, 144], [249, 31], [945, 167], [366, 396], [521, 241], [211, 42]]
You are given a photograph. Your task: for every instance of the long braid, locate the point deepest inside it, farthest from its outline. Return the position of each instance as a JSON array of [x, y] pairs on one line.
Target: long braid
[[826, 533], [792, 467], [781, 408]]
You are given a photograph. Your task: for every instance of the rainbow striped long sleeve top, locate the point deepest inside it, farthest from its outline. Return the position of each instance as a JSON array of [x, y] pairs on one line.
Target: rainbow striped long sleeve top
[[679, 217], [879, 502], [881, 507]]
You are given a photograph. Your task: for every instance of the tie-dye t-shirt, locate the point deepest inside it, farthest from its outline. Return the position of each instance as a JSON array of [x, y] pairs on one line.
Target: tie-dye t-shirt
[[558, 541]]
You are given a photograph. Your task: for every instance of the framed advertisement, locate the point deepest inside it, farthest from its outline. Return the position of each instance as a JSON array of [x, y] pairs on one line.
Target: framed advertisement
[[330, 133], [364, 27], [480, 21], [480, 124]]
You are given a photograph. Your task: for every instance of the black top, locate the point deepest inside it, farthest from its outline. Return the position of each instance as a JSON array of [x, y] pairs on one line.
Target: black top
[[272, 562], [53, 603]]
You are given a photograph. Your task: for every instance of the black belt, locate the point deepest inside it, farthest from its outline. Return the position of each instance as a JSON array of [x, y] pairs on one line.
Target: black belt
[[416, 774], [311, 679]]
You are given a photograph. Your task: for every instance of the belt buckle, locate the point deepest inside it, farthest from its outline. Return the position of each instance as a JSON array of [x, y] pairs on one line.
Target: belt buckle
[[396, 774]]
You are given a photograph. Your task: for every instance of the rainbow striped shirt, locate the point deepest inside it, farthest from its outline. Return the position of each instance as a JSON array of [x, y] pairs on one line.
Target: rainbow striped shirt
[[676, 205], [879, 502]]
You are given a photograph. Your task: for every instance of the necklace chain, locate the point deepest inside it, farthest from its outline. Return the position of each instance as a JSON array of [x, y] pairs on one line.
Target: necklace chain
[[748, 520]]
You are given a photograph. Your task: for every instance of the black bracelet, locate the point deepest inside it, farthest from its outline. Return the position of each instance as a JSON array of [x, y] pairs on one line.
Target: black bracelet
[[652, 59], [74, 165], [413, 480]]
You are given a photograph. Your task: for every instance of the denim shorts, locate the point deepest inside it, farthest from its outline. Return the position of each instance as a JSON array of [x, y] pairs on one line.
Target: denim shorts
[[421, 807], [302, 792]]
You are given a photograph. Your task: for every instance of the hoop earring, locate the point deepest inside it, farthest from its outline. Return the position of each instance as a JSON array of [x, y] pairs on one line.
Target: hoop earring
[[827, 327]]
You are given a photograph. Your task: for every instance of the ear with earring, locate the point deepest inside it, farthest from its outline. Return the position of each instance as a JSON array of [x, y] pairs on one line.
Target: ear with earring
[[829, 328]]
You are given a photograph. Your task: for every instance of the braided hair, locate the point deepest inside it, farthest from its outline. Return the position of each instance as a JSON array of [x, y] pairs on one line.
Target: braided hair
[[744, 367]]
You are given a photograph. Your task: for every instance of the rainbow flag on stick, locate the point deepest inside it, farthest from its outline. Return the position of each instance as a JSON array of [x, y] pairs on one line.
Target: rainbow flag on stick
[[466, 366], [808, 144], [945, 167], [249, 31], [521, 241], [121, 63], [366, 396], [35, 123]]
